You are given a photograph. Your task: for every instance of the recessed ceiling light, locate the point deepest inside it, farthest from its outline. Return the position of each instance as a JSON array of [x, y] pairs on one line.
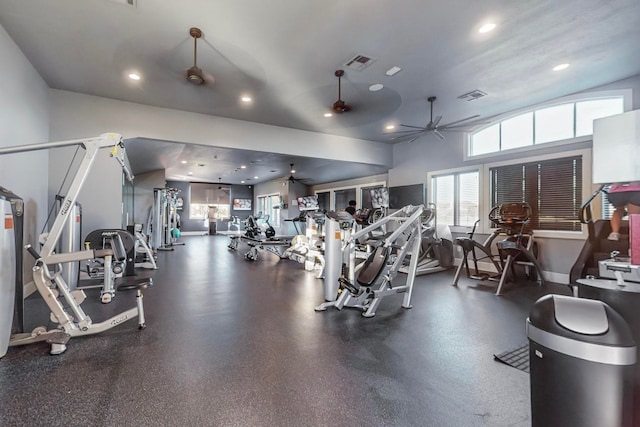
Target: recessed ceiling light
[[243, 166], [246, 99], [375, 87], [184, 162], [328, 114], [389, 127], [393, 70], [561, 67], [190, 173], [255, 177], [241, 182], [487, 27], [134, 76]]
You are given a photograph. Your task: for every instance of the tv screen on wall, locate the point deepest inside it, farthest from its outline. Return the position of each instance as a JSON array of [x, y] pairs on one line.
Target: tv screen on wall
[[406, 195]]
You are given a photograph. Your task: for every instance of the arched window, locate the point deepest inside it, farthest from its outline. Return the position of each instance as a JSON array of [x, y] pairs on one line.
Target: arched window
[[564, 121]]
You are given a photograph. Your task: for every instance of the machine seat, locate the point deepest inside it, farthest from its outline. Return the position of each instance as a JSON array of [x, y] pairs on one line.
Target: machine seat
[[373, 266]]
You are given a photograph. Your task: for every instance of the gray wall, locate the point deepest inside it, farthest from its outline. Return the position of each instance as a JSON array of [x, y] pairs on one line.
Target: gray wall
[[143, 186], [241, 192], [24, 119], [412, 162], [101, 194]]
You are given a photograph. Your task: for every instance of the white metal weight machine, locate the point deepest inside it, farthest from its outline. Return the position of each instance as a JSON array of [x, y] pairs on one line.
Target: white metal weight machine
[[365, 288], [71, 318]]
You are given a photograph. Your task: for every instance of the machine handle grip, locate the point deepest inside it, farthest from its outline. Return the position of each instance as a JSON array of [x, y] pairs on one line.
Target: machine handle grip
[[32, 251]]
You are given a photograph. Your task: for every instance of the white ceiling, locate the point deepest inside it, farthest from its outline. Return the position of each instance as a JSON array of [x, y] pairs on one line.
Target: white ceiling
[[284, 53]]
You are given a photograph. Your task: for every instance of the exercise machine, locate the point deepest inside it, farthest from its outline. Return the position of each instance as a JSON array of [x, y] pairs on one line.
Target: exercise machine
[[338, 231], [64, 304], [308, 248], [11, 286], [164, 221], [517, 248], [365, 285], [436, 247], [112, 266], [261, 239], [144, 256], [70, 241]]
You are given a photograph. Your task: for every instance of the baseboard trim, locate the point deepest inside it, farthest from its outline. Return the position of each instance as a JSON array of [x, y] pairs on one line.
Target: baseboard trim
[[550, 276], [194, 233]]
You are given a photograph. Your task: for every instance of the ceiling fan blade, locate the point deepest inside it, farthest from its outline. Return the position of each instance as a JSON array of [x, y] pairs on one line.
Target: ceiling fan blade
[[414, 138], [414, 127], [438, 134], [437, 120], [459, 121], [462, 128], [406, 131]]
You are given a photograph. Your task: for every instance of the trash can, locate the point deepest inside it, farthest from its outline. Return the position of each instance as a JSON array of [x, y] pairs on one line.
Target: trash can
[[582, 358], [625, 300]]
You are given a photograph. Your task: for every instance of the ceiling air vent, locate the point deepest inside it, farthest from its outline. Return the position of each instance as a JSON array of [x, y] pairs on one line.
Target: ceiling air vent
[[359, 62], [473, 95]]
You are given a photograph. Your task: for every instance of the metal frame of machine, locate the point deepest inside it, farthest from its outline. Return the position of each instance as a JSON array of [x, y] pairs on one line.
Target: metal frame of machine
[[403, 241], [72, 321]]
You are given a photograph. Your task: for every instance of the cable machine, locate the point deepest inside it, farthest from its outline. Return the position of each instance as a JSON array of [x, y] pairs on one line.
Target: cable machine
[[164, 219], [54, 290], [11, 286]]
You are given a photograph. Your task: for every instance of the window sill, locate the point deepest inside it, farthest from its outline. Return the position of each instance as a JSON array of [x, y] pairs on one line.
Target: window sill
[[544, 234]]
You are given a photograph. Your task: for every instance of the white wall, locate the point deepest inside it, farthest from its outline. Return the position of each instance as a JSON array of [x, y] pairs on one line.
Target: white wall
[[76, 116], [24, 119]]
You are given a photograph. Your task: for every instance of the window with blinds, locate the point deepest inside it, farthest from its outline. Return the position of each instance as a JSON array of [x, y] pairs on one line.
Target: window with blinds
[[456, 196], [553, 189]]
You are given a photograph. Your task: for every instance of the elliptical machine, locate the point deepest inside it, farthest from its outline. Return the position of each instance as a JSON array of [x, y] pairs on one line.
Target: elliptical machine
[[436, 247], [517, 248]]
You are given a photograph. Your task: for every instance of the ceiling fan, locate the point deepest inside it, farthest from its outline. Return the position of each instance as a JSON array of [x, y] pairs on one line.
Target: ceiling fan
[[291, 178], [340, 106], [224, 189], [195, 74], [415, 132]]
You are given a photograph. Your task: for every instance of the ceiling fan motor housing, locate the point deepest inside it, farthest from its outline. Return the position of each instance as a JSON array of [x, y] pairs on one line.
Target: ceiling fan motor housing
[[340, 106], [194, 76]]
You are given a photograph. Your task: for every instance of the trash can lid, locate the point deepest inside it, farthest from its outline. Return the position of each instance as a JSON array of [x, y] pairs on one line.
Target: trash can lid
[[584, 316]]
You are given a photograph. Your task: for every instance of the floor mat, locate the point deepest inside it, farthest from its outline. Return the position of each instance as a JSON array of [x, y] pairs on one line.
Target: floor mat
[[518, 357]]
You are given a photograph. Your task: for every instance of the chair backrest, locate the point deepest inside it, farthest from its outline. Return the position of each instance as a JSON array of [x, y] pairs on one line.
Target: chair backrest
[[373, 266]]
